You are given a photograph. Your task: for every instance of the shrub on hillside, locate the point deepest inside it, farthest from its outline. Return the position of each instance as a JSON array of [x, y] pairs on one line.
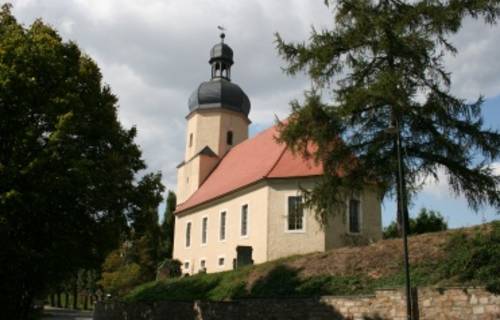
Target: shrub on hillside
[[169, 268], [474, 259], [119, 275], [426, 221], [122, 280]]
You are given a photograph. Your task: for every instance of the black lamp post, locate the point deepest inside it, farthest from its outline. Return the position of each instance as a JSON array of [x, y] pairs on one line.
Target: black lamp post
[[402, 208]]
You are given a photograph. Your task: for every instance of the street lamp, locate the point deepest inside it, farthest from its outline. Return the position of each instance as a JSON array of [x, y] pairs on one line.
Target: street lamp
[[404, 215]]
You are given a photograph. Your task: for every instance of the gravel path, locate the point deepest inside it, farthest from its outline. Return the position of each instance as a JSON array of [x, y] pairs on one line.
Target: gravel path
[[51, 313]]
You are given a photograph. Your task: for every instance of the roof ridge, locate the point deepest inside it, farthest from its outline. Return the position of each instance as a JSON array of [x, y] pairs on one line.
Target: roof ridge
[[276, 163]]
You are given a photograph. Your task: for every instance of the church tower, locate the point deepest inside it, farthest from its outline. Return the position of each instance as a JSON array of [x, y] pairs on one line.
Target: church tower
[[217, 120]]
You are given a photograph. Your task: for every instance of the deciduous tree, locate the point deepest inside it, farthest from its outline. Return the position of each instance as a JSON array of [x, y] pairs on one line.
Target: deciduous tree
[[67, 166]]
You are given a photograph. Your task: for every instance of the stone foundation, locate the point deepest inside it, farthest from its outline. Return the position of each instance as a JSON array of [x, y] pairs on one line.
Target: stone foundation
[[389, 304]]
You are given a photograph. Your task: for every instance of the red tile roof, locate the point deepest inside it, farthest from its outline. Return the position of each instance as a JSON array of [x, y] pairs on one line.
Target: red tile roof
[[248, 162]]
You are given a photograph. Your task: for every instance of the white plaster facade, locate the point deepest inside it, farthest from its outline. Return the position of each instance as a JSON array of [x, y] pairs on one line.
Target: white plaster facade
[[267, 227]]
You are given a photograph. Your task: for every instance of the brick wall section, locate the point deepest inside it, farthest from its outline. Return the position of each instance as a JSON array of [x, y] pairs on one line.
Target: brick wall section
[[434, 304]]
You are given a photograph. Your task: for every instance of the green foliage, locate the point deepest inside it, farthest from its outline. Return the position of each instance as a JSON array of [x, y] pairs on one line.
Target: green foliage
[[168, 226], [382, 64], [67, 166], [426, 221], [475, 258], [280, 281], [119, 273], [122, 280], [169, 268], [215, 286]]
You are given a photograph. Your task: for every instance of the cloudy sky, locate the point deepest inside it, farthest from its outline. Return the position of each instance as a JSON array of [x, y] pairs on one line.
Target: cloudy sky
[[154, 53]]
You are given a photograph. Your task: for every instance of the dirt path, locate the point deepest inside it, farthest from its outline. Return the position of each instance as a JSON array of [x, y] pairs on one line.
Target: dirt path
[[51, 313]]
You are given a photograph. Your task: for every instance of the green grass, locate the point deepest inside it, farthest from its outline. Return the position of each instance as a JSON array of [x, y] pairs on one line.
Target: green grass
[[215, 286], [280, 281], [469, 260]]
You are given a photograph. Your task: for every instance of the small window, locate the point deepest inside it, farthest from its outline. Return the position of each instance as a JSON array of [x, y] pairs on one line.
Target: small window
[[186, 265], [202, 264], [354, 216], [204, 225], [222, 227], [190, 139], [244, 220], [295, 214], [188, 234], [229, 138], [221, 261]]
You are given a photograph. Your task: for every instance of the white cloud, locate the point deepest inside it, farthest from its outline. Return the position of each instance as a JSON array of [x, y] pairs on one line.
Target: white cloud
[[436, 187], [439, 187], [154, 53]]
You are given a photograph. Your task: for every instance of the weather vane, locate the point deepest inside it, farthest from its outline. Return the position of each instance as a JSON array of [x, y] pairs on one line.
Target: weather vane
[[222, 35]]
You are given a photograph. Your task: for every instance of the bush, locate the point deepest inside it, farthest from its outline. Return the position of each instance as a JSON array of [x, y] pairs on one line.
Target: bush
[[426, 221], [122, 280], [119, 274], [169, 268], [474, 259]]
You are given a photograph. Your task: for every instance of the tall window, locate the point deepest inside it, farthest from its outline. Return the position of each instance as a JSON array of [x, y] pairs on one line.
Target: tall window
[[229, 138], [222, 227], [295, 214], [244, 220], [204, 225], [354, 216], [190, 139], [188, 234]]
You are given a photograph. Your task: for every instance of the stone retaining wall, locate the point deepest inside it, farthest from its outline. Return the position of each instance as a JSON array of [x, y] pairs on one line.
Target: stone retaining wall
[[434, 304]]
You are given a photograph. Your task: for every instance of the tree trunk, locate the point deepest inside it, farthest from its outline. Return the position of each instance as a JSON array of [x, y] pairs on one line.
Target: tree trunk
[[75, 296], [85, 301], [25, 311], [399, 215], [59, 302], [66, 299]]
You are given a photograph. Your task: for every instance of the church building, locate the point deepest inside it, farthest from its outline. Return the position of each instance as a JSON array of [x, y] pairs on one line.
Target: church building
[[239, 199]]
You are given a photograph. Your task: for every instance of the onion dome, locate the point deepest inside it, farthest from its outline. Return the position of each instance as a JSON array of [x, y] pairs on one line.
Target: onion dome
[[219, 91]]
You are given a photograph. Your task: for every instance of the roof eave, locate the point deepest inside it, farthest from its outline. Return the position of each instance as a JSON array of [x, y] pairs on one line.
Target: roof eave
[[242, 188]]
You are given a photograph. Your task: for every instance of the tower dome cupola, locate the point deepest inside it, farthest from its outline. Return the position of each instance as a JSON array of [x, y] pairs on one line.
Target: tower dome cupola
[[219, 91], [221, 59]]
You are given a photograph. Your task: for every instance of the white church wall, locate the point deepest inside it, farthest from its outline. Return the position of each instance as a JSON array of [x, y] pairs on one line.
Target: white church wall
[[256, 197], [282, 242]]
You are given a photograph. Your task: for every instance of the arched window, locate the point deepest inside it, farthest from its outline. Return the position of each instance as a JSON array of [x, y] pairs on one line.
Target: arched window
[[218, 70], [229, 138], [190, 139]]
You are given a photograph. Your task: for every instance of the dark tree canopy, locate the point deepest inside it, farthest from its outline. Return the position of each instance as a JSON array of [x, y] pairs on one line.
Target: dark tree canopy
[[382, 62], [67, 166]]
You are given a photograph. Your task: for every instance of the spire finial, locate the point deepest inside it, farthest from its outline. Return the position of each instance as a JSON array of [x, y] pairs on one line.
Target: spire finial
[[222, 35]]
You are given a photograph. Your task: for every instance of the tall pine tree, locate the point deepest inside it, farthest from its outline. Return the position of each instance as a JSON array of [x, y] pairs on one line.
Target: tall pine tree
[[168, 226], [383, 63]]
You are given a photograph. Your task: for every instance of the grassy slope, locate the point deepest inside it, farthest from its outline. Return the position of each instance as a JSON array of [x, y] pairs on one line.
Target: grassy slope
[[344, 271]]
